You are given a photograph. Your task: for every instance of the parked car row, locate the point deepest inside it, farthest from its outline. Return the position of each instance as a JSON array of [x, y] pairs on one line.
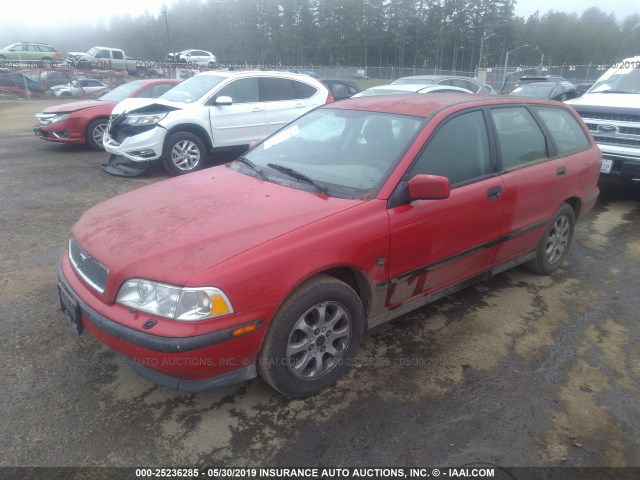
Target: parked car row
[[85, 121]]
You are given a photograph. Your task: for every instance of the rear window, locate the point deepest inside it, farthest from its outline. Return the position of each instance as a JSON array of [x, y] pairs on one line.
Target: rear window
[[565, 130]]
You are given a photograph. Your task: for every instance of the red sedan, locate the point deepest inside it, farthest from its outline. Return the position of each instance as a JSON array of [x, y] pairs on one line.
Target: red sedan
[[356, 213], [85, 121]]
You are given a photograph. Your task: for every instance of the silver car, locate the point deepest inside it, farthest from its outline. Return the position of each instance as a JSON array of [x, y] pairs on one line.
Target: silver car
[[469, 83]]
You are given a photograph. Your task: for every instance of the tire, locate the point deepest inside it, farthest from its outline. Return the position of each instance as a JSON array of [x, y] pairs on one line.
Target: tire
[[183, 152], [211, 65], [141, 72], [555, 243], [94, 133], [312, 337]]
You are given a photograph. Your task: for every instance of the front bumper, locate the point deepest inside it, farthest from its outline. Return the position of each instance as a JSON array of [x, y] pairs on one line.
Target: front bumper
[[625, 160], [69, 130], [142, 147], [191, 364]]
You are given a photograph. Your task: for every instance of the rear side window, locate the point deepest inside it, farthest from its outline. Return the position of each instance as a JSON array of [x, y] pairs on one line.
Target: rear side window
[[303, 90], [565, 130], [459, 150], [118, 55], [519, 138], [274, 89]]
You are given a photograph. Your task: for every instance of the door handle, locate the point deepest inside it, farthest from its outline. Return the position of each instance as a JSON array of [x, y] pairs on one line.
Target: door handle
[[494, 193], [561, 171], [299, 105], [257, 109]]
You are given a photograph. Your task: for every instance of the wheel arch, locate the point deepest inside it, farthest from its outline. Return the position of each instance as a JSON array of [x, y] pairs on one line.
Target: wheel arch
[[576, 204], [194, 129], [353, 277]]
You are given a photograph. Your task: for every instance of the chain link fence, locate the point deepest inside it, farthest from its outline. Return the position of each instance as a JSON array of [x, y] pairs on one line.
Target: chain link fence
[[503, 80]]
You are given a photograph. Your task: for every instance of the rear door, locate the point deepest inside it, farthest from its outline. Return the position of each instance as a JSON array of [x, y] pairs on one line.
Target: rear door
[[435, 243], [284, 100], [242, 121], [534, 181]]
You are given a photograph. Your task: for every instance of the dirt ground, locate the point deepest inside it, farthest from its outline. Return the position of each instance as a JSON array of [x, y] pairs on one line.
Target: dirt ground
[[520, 370]]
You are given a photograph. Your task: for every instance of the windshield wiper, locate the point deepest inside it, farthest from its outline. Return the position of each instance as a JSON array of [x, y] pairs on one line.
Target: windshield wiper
[[250, 164], [298, 176]]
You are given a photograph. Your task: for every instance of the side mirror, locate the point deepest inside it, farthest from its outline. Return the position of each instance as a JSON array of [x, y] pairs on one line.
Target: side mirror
[[428, 187], [223, 101]]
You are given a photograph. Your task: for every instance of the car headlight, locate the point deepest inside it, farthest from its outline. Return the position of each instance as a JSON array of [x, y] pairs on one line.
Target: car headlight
[[177, 303], [47, 118], [144, 118]]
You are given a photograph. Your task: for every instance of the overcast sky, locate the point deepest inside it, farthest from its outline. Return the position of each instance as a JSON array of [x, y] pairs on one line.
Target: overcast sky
[[43, 12]]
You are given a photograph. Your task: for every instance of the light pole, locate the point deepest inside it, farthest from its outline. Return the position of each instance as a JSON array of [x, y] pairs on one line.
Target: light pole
[[506, 62], [482, 47]]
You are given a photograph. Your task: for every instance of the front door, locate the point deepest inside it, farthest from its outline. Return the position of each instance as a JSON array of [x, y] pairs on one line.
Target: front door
[[242, 121], [435, 243]]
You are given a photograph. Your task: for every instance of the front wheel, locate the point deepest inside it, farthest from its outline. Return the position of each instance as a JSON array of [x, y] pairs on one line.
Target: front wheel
[[183, 152], [555, 243], [312, 338], [94, 133]]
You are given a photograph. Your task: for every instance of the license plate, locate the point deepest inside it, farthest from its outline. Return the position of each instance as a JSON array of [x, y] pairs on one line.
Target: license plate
[[72, 310], [606, 166]]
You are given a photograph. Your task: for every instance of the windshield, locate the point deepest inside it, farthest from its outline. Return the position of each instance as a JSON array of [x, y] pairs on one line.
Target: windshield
[[192, 89], [621, 79], [535, 91], [344, 153], [120, 93], [93, 51]]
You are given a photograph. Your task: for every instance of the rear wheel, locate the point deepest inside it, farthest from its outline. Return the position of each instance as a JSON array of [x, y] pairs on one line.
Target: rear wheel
[[555, 243], [312, 338], [94, 133], [183, 152]]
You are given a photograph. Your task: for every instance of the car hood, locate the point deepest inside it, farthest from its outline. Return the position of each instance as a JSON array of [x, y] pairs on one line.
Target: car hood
[[146, 105], [75, 106], [177, 228], [622, 100]]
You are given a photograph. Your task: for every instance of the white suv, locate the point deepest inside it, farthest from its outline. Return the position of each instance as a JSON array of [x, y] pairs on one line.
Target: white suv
[[209, 111]]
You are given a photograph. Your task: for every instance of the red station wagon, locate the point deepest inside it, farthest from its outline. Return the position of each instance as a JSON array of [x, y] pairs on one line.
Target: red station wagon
[[356, 213]]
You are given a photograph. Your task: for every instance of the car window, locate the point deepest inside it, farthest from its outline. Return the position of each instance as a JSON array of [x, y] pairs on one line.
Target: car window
[[445, 81], [118, 55], [303, 90], [352, 90], [519, 137], [458, 82], [193, 88], [154, 91], [274, 89], [339, 90], [459, 157], [102, 54], [243, 90], [565, 130]]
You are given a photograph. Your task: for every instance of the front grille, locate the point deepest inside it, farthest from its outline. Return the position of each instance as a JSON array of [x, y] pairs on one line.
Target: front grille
[[625, 142], [616, 117], [94, 273], [624, 130]]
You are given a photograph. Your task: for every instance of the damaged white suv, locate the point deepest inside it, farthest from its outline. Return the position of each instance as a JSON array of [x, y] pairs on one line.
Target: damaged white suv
[[209, 111]]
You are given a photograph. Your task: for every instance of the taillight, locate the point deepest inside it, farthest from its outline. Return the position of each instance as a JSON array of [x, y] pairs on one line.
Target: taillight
[[329, 97]]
